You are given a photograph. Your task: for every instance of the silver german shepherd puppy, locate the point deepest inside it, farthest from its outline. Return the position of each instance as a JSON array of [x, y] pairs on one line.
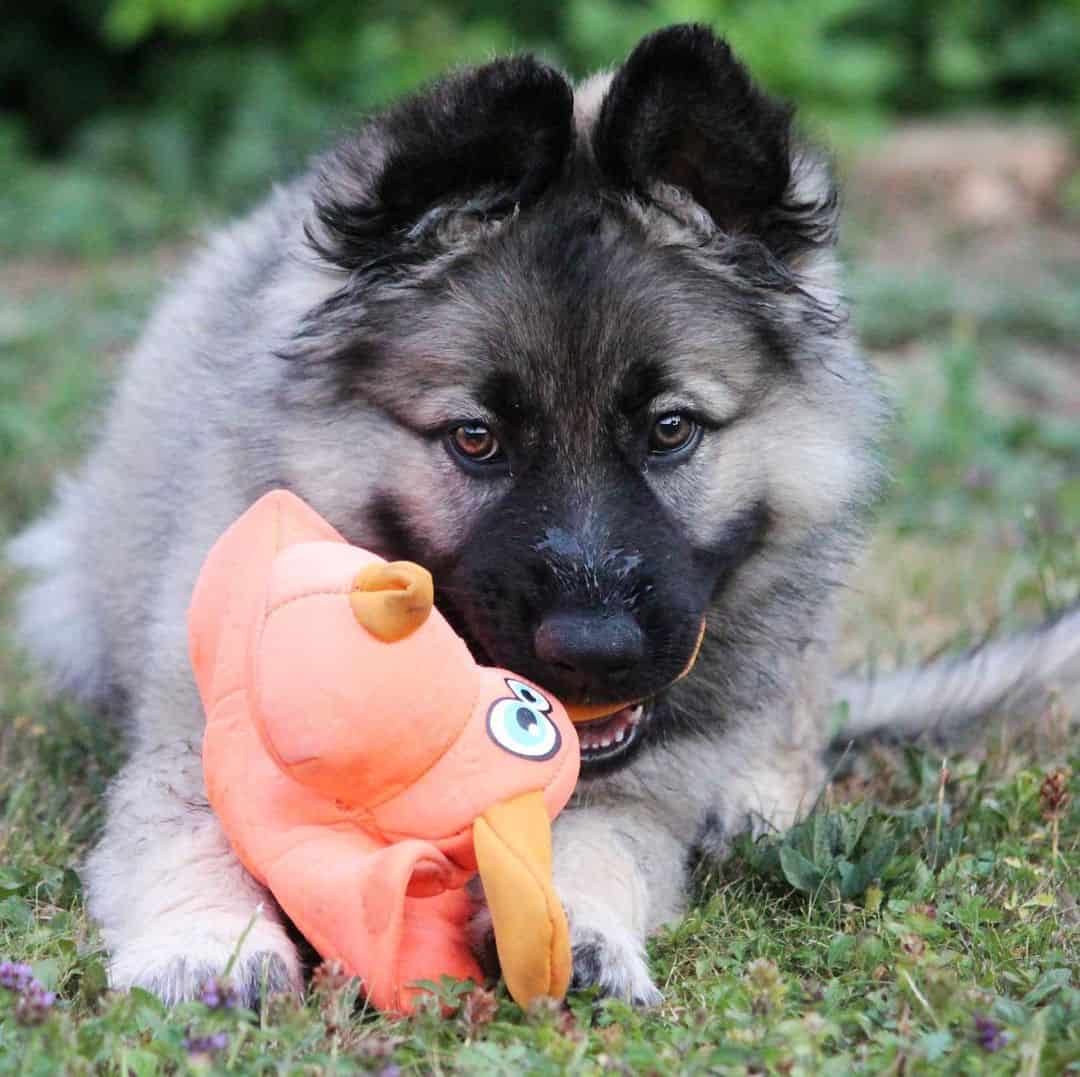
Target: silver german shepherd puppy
[[581, 350]]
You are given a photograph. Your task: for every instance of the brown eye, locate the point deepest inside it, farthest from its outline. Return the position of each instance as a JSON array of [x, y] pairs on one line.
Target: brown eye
[[475, 443], [671, 433]]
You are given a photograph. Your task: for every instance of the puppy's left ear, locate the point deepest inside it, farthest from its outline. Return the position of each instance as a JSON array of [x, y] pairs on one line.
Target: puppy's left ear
[[683, 112], [481, 141]]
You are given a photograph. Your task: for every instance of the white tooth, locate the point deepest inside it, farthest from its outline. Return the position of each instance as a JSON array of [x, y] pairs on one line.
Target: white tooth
[[606, 742], [619, 736]]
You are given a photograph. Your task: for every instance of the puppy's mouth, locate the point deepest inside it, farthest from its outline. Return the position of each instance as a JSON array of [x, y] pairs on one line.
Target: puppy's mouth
[[608, 738]]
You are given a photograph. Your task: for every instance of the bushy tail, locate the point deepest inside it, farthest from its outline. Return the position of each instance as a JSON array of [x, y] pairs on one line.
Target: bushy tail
[[1015, 676], [57, 618]]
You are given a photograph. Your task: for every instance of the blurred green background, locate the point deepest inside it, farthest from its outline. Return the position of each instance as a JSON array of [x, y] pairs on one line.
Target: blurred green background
[[125, 120]]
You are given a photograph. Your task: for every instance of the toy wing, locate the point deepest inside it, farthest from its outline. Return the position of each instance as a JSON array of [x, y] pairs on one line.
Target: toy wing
[[393, 915]]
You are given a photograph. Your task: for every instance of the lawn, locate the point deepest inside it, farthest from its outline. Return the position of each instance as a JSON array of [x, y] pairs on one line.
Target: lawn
[[925, 919]]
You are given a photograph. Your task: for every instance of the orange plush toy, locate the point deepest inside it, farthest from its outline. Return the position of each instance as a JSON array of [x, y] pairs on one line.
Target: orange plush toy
[[364, 767]]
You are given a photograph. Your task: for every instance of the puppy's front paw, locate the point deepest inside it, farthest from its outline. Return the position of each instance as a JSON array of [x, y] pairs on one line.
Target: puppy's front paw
[[613, 961], [178, 970]]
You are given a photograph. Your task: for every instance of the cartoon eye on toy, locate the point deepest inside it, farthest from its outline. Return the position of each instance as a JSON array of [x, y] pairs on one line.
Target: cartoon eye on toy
[[521, 725], [529, 696]]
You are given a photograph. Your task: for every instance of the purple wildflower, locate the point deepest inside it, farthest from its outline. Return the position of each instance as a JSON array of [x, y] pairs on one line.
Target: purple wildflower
[[390, 1071], [15, 977], [989, 1035], [206, 1045], [34, 1004], [218, 994]]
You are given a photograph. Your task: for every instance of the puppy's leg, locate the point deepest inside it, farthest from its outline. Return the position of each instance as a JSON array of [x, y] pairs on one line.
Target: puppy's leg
[[172, 900], [621, 874], [622, 862], [773, 773]]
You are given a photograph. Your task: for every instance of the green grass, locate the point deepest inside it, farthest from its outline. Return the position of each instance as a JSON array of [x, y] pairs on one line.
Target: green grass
[[908, 927]]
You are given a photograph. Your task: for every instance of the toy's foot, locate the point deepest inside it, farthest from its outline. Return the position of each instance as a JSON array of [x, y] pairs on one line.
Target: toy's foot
[[181, 977], [614, 962]]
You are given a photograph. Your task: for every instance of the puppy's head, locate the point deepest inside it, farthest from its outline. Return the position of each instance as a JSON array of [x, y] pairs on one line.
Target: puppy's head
[[585, 360]]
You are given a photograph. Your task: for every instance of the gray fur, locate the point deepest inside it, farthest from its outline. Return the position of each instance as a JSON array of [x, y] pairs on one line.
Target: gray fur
[[252, 374], [58, 619], [1018, 676]]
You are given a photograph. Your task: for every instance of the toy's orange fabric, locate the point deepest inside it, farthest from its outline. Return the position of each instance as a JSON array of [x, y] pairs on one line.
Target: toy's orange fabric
[[364, 766]]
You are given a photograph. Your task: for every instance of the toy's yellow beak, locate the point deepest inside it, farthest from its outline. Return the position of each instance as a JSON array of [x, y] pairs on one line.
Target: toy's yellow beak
[[513, 852], [392, 600]]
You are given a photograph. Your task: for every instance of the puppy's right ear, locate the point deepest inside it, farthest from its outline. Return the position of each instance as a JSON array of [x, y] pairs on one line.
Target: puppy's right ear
[[684, 112], [489, 138]]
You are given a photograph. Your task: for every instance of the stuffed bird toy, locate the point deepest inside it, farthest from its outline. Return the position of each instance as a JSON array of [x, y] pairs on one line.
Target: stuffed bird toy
[[365, 768]]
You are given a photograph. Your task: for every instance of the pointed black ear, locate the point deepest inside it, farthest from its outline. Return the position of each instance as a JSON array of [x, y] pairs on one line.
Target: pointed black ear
[[491, 138], [683, 111]]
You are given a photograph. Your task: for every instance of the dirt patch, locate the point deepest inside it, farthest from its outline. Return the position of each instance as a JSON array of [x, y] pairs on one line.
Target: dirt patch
[[985, 194]]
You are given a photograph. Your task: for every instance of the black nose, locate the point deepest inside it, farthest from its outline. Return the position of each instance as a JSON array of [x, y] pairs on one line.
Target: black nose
[[589, 644]]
